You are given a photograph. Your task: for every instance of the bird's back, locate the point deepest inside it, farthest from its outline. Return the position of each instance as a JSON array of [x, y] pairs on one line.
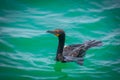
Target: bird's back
[[69, 50], [76, 52]]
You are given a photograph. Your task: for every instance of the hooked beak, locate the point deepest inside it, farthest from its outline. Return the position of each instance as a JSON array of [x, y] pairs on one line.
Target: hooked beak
[[52, 32]]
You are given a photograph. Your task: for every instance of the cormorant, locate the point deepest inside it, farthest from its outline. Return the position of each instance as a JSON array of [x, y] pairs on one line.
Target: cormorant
[[74, 52]]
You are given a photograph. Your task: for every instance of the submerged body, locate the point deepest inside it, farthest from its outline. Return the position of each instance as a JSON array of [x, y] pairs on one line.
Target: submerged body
[[74, 52]]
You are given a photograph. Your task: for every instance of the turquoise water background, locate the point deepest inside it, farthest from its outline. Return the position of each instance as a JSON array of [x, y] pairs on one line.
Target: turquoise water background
[[27, 52]]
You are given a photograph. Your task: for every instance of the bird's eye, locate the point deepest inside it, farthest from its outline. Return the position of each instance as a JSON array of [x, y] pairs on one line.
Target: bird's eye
[[57, 31]]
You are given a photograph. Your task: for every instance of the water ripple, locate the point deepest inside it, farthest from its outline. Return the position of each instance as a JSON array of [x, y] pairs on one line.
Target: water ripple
[[18, 32], [24, 54], [82, 19]]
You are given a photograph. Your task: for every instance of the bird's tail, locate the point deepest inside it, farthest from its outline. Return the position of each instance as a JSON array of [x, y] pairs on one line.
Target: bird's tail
[[92, 43], [86, 46]]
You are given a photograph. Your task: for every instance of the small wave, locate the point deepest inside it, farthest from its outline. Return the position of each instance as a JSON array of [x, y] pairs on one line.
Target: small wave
[[112, 37], [82, 19], [24, 62], [6, 43], [19, 32], [40, 77], [106, 5]]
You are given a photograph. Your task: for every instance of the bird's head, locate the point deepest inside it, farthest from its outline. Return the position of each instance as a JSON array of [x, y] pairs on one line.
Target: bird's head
[[57, 32]]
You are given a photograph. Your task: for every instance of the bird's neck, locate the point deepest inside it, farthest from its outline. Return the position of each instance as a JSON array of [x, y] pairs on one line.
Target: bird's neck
[[59, 55]]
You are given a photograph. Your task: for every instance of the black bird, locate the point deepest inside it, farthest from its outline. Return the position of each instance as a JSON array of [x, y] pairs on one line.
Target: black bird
[[74, 52]]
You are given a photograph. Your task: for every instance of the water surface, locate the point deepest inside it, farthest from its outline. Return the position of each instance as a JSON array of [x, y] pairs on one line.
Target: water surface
[[27, 52]]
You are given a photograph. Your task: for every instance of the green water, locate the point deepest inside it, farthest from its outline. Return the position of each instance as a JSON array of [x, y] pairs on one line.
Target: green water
[[27, 52]]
